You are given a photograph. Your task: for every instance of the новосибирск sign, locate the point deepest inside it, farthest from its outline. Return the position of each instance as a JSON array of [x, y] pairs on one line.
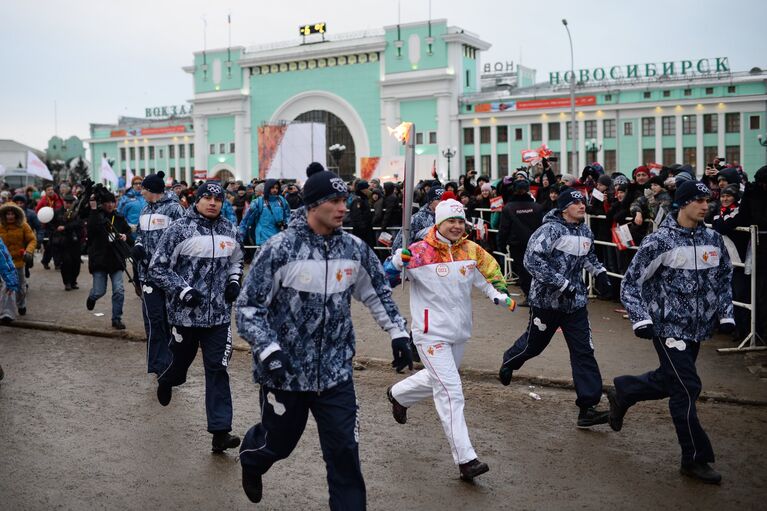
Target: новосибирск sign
[[632, 72]]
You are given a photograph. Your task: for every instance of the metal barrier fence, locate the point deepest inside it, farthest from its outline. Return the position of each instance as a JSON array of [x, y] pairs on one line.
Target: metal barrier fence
[[750, 343]]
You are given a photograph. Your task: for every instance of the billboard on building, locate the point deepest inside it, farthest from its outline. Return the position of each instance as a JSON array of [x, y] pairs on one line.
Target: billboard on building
[[285, 150]]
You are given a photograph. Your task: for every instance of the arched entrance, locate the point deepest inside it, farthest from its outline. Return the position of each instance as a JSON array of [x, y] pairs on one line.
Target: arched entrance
[[223, 173], [327, 103], [336, 132]]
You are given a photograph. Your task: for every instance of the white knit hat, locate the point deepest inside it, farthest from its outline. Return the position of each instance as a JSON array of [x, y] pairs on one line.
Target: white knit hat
[[449, 208]]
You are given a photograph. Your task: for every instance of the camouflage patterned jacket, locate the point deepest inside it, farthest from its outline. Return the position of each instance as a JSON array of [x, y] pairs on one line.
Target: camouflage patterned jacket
[[556, 255], [154, 219], [679, 282], [196, 252], [297, 298]]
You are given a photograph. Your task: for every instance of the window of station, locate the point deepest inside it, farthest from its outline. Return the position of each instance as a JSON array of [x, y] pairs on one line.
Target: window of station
[[536, 131], [666, 93], [554, 131], [486, 166], [689, 156], [502, 133], [590, 128], [212, 149], [628, 129], [709, 91], [648, 127], [647, 95], [669, 155], [517, 133], [182, 151], [221, 148], [609, 160], [688, 92], [732, 123], [468, 136], [140, 153], [468, 164], [503, 164], [668, 125], [432, 138], [648, 156], [484, 135], [710, 123], [122, 153], [171, 151], [731, 89], [419, 138], [608, 127], [689, 125], [151, 152], [732, 154], [754, 122], [132, 153], [231, 147]]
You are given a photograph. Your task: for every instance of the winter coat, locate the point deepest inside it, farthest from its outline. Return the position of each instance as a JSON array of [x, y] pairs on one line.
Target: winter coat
[[442, 275], [297, 298], [362, 219], [556, 256], [196, 252], [70, 239], [130, 206], [55, 203], [519, 220], [294, 200], [679, 282], [102, 229], [155, 218], [7, 270], [392, 206], [227, 210], [419, 226], [18, 236], [725, 222], [266, 218]]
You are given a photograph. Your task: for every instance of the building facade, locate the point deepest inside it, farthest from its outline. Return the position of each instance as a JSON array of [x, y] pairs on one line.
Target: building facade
[[467, 115]]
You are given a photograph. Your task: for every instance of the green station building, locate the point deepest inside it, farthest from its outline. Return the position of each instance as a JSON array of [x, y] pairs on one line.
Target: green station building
[[468, 114]]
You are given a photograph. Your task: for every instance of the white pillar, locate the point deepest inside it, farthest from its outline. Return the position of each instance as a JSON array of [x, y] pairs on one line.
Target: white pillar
[[240, 148], [679, 144], [444, 140], [545, 133], [699, 153], [200, 142], [600, 142], [187, 163], [477, 154], [493, 152], [720, 132], [581, 148], [658, 139], [564, 156]]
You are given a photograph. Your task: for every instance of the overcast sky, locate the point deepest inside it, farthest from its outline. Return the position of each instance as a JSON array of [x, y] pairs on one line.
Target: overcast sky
[[101, 59]]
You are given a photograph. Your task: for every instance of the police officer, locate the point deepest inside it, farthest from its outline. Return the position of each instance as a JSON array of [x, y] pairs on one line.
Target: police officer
[[198, 264], [556, 256], [676, 290], [295, 313], [161, 209]]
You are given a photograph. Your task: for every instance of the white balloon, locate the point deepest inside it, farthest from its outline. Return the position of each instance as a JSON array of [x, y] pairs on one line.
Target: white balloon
[[45, 214]]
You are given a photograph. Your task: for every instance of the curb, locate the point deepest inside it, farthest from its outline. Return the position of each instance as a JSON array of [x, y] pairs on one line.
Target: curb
[[363, 362]]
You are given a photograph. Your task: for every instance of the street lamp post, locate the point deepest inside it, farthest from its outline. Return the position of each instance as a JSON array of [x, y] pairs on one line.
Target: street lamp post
[[761, 140], [449, 153], [574, 153], [593, 147]]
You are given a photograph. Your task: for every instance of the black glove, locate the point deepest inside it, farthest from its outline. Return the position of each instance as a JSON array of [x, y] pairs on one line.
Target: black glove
[[403, 357], [193, 298], [569, 291], [29, 259], [232, 291], [278, 367], [138, 253], [726, 328], [603, 285], [645, 332]]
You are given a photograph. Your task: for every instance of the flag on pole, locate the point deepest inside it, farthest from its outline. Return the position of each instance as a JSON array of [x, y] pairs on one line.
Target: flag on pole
[[107, 172], [128, 176], [36, 167]]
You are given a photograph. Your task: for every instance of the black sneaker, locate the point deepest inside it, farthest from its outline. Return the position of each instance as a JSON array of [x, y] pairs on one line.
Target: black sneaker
[[251, 483], [505, 374], [472, 469], [6, 321], [75, 286], [118, 324], [398, 411], [164, 393], [223, 441], [46, 266], [22, 311], [617, 412], [702, 472], [67, 287], [90, 303], [590, 416]]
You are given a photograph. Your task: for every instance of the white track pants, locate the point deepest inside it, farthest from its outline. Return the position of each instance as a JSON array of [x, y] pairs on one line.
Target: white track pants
[[441, 380]]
